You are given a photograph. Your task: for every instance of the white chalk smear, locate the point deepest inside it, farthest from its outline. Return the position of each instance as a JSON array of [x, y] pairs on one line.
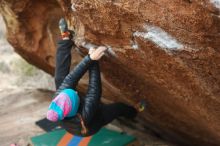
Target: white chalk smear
[[159, 37], [134, 45], [110, 51], [216, 3], [88, 45], [73, 7]]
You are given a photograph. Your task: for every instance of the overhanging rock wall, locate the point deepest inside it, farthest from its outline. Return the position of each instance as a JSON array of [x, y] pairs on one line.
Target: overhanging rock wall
[[165, 52]]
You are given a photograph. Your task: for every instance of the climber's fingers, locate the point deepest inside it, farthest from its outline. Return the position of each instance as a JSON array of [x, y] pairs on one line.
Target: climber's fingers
[[98, 53], [101, 54], [91, 50], [101, 49]]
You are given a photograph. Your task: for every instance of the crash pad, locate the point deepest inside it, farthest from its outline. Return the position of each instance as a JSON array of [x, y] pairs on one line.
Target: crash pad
[[104, 137]]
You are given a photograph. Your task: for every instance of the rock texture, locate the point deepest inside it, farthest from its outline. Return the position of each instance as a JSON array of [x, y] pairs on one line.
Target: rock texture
[[32, 29], [165, 52]]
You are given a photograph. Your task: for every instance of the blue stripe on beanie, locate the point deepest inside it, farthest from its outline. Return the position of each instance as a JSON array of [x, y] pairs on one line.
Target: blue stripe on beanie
[[74, 99]]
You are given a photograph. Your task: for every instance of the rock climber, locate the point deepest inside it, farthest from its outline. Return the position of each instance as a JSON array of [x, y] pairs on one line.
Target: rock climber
[[81, 115]]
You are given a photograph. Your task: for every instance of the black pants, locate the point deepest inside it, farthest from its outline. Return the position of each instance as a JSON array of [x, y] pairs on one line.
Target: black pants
[[110, 112], [106, 113]]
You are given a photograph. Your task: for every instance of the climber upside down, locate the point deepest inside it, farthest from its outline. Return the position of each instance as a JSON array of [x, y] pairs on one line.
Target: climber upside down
[[82, 116]]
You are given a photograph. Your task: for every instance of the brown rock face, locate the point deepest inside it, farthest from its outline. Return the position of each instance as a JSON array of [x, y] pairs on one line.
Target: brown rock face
[[165, 52], [32, 29]]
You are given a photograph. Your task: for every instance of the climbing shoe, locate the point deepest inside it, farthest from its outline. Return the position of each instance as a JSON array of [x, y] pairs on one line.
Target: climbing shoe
[[65, 32], [63, 25], [141, 106]]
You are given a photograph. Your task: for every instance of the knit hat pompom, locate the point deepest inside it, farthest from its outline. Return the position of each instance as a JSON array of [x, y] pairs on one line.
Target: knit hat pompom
[[65, 104], [52, 116]]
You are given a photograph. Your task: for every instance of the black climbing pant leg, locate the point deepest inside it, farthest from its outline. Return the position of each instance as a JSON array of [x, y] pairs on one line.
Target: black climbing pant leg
[[63, 61], [115, 110], [109, 112]]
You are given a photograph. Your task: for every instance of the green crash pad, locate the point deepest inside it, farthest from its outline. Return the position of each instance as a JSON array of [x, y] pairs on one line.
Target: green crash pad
[[104, 137]]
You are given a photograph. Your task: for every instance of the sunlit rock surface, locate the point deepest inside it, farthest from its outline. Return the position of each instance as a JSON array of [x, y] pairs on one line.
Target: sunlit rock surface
[[165, 52]]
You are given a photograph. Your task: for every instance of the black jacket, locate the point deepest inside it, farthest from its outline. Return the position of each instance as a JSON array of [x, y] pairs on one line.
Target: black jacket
[[89, 104]]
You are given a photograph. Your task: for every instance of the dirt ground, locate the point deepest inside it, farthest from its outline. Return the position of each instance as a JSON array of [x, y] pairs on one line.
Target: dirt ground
[[19, 109]]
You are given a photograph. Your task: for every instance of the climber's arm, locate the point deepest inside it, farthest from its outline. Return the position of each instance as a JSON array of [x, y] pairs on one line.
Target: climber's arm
[[72, 79], [92, 98]]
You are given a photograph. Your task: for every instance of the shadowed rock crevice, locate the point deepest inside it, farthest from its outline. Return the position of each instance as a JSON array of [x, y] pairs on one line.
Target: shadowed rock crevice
[[32, 29], [166, 52]]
